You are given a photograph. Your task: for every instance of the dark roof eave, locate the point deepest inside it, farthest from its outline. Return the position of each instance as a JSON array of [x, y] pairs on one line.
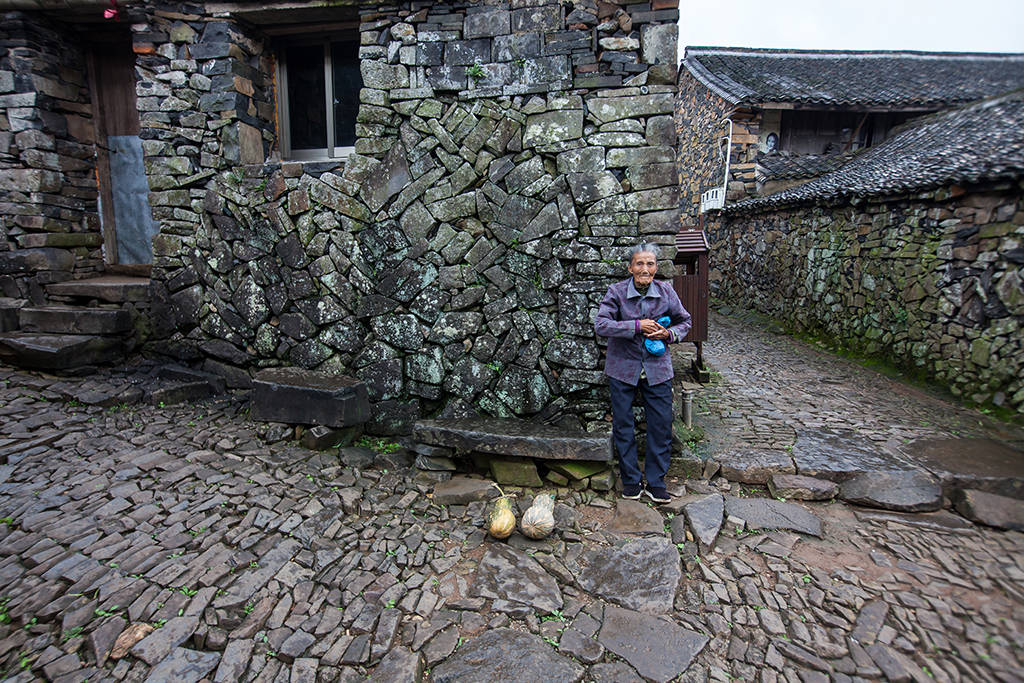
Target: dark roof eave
[[766, 204]]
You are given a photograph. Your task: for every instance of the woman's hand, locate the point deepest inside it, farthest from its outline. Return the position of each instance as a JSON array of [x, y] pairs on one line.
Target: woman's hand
[[652, 330]]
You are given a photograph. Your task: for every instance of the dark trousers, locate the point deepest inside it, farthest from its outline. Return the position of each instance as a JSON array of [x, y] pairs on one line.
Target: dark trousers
[[657, 402]]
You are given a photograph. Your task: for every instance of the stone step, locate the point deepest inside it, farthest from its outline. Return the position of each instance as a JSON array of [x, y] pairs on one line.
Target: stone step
[[75, 320], [502, 436], [9, 313], [297, 396], [58, 351], [112, 288]]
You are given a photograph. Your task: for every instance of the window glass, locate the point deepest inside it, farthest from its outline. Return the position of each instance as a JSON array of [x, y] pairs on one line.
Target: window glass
[[307, 109], [347, 82]]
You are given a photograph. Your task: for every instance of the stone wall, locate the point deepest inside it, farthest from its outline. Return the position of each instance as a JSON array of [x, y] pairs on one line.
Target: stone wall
[[455, 261], [699, 119], [49, 225], [933, 283]]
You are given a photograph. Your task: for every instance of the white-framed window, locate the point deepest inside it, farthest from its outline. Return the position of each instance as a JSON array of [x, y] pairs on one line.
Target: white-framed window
[[318, 96]]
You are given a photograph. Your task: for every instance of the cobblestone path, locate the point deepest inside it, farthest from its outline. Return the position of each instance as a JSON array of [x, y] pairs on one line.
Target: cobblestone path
[[771, 385], [173, 544]]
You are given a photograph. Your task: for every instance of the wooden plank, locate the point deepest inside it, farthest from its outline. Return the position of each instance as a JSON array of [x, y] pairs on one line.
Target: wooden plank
[[106, 196]]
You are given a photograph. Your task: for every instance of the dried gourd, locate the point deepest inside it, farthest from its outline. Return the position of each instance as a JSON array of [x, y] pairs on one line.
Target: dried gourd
[[539, 520], [502, 519]]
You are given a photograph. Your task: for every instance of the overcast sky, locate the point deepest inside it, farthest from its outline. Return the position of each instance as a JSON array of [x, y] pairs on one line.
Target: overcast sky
[[940, 25]]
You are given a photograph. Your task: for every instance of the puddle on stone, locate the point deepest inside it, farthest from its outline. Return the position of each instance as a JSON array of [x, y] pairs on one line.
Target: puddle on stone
[[985, 464], [838, 454]]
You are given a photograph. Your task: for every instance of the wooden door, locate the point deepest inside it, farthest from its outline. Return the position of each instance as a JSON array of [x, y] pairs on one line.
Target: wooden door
[[125, 214]]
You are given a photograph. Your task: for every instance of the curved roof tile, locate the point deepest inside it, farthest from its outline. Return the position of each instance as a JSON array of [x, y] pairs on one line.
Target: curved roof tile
[[852, 78], [983, 141]]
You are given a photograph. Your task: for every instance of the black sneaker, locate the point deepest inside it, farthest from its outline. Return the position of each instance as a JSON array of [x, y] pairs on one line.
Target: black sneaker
[[631, 491], [659, 494]]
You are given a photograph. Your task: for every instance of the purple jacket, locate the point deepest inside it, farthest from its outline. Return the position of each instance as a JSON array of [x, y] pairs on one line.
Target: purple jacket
[[619, 319]]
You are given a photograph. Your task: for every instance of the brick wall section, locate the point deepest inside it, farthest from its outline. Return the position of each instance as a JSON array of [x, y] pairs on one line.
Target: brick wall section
[[933, 282], [49, 226], [456, 260]]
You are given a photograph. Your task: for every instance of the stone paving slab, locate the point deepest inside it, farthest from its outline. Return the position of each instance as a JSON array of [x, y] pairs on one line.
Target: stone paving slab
[[187, 542]]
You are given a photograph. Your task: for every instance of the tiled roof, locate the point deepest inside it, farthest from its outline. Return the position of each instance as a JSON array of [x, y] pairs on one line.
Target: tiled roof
[[868, 79], [979, 142], [786, 167]]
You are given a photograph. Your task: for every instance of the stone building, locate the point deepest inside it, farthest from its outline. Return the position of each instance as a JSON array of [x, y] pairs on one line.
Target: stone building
[[905, 244], [430, 196], [790, 115]]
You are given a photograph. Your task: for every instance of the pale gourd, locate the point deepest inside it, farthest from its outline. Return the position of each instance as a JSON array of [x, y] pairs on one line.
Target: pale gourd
[[502, 519], [539, 520]]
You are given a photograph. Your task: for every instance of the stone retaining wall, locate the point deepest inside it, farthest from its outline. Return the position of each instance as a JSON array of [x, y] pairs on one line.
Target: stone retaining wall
[[49, 225], [455, 261], [933, 282]]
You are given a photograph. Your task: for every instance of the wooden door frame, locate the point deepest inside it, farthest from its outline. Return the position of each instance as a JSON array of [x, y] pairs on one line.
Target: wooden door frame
[[106, 195], [97, 40]]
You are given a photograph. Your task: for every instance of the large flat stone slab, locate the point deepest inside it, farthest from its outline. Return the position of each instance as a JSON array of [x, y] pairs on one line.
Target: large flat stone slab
[[514, 437], [800, 487], [503, 655], [58, 351], [658, 648], [297, 396], [184, 666], [509, 574], [762, 513], [980, 464], [838, 454], [989, 509], [900, 491], [75, 320], [642, 574], [755, 466], [633, 517]]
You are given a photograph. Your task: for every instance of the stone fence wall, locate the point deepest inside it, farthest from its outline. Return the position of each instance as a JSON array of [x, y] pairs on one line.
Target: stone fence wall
[[49, 225], [455, 261], [933, 283]]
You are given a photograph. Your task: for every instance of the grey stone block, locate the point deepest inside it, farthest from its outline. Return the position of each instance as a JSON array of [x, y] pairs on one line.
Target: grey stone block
[[296, 396]]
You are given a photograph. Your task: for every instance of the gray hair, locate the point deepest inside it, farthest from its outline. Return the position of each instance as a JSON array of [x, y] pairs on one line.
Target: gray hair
[[647, 248]]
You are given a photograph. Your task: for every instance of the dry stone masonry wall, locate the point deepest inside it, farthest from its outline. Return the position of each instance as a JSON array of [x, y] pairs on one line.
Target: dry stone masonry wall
[[933, 282], [507, 156], [49, 226]]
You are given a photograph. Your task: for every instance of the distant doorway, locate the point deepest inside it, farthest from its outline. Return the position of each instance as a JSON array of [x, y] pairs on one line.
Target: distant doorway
[[125, 214]]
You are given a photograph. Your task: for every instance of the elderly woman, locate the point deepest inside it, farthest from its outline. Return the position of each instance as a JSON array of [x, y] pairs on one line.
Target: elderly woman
[[628, 317]]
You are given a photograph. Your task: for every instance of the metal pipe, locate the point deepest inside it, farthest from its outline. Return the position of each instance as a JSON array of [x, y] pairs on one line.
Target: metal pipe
[[688, 408], [728, 158]]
